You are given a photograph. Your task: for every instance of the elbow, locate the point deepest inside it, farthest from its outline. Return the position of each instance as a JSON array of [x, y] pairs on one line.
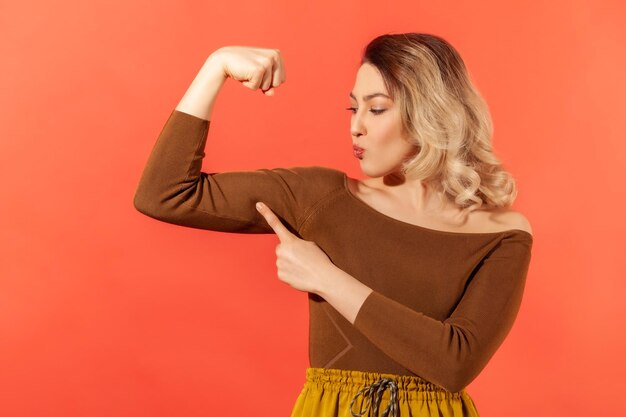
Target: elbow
[[454, 384], [454, 381], [154, 200], [147, 205], [161, 200], [140, 203], [452, 378], [460, 376], [142, 199], [465, 359], [459, 371]]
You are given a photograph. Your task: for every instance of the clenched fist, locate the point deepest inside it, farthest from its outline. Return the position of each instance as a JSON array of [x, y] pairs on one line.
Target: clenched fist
[[252, 66]]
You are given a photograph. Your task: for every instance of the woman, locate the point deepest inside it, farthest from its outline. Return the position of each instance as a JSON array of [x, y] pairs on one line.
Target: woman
[[414, 276]]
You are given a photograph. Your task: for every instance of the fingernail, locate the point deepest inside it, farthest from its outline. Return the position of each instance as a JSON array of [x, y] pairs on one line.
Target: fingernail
[[259, 206]]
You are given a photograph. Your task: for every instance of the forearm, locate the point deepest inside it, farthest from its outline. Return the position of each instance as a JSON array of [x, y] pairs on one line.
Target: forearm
[[175, 162], [344, 292], [200, 97]]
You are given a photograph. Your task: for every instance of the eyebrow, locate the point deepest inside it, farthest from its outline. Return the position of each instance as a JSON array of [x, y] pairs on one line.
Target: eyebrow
[[370, 96]]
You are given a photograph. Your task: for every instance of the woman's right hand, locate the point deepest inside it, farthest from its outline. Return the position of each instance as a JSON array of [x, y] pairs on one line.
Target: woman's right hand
[[254, 67]]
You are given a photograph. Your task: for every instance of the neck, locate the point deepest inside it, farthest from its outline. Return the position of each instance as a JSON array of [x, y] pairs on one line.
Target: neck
[[426, 197]]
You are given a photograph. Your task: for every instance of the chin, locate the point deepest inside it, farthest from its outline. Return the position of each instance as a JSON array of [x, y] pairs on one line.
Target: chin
[[374, 172]]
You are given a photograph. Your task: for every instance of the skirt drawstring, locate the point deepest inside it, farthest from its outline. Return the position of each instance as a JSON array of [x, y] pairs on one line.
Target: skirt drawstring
[[374, 392]]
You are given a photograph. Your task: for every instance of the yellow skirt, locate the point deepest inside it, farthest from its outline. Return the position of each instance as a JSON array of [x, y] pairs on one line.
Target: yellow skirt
[[331, 392]]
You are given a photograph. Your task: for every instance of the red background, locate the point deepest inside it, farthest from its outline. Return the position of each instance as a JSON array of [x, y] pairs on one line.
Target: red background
[[106, 312]]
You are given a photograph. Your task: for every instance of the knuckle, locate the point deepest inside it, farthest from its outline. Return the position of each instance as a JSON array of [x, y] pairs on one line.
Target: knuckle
[[258, 71]]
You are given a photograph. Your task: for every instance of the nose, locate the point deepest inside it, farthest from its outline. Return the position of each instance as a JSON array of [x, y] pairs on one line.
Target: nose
[[356, 126]]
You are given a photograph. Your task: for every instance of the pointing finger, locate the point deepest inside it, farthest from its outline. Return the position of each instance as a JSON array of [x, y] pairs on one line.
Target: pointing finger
[[274, 222]]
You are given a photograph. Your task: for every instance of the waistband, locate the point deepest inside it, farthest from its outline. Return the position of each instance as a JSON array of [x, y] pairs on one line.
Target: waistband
[[375, 387]]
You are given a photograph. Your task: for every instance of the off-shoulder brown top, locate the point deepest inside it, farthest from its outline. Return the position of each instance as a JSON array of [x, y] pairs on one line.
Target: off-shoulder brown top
[[442, 304]]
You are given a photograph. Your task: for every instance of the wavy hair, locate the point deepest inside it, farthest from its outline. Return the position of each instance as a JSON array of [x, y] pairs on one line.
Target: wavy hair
[[445, 117]]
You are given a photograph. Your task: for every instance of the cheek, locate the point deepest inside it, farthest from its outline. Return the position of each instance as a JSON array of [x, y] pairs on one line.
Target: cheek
[[387, 132]]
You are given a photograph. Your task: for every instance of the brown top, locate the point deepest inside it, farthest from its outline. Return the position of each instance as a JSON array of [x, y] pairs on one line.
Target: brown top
[[442, 302]]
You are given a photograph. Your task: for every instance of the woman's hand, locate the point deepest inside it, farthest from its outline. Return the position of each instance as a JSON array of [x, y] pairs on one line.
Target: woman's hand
[[253, 67], [300, 263]]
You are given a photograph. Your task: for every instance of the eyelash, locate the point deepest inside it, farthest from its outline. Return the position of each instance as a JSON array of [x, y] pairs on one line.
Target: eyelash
[[375, 111]]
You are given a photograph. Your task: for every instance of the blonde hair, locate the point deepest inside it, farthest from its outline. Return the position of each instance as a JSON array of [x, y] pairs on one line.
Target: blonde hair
[[445, 117]]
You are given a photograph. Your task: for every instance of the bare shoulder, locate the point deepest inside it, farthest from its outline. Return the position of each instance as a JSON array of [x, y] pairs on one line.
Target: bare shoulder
[[518, 221], [483, 220], [510, 219]]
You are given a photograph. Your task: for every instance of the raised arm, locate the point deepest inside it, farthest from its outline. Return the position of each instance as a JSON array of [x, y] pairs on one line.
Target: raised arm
[[173, 188]]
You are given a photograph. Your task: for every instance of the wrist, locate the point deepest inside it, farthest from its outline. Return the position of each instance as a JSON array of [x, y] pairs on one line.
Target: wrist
[[200, 97], [343, 291], [214, 67], [330, 279], [213, 71]]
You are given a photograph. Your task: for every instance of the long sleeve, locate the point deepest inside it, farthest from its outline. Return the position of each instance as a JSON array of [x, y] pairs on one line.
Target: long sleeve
[[452, 352], [173, 188]]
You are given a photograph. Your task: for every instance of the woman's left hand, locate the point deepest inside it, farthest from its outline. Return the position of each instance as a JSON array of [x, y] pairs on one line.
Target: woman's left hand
[[300, 263]]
